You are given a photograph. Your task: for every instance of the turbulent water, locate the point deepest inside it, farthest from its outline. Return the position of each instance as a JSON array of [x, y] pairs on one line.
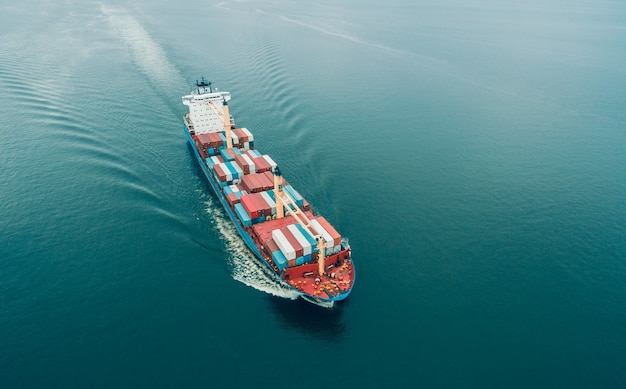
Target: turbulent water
[[474, 153]]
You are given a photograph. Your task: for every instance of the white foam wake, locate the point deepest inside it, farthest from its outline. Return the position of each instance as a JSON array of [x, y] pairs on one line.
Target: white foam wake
[[147, 53], [245, 267]]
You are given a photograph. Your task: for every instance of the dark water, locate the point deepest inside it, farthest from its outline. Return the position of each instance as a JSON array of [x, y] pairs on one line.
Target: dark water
[[473, 152]]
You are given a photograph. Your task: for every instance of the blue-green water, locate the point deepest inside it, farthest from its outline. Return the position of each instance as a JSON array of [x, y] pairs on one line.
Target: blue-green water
[[473, 152]]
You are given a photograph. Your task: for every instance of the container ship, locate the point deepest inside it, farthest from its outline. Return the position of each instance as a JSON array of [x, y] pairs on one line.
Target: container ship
[[277, 224]]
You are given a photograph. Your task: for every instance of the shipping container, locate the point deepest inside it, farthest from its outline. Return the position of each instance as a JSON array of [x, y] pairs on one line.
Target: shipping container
[[225, 154], [217, 159], [293, 241], [263, 231], [245, 166], [267, 181], [249, 205], [270, 161], [308, 237], [271, 203], [279, 259], [306, 246], [330, 229], [232, 199], [204, 141], [328, 239], [261, 165], [248, 160], [243, 215], [295, 196], [219, 172], [235, 169], [270, 245], [285, 247], [248, 134], [254, 154], [251, 183]]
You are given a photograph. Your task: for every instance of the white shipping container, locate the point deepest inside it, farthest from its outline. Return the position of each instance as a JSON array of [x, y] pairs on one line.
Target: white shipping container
[[234, 188], [283, 244], [337, 249], [249, 134], [237, 167], [249, 162], [255, 153], [234, 137], [224, 167], [306, 246], [269, 160], [269, 201], [215, 159]]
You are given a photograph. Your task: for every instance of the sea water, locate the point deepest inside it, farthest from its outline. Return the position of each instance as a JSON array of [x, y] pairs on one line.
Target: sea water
[[472, 152]]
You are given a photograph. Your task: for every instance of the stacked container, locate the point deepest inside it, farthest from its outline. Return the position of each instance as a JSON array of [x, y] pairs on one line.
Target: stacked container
[[257, 207], [287, 250], [233, 194], [307, 249], [255, 183], [209, 143], [213, 160], [246, 163], [242, 138], [227, 173], [246, 221]]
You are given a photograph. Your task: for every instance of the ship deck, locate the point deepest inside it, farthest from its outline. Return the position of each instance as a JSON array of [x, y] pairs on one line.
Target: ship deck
[[336, 281]]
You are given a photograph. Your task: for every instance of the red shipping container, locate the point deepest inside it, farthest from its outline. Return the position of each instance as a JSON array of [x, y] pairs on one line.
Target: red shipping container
[[204, 140], [261, 165], [243, 137], [232, 199], [250, 183], [263, 231], [330, 229], [249, 206], [262, 205], [216, 140], [271, 246], [221, 175], [270, 177], [293, 242], [242, 162]]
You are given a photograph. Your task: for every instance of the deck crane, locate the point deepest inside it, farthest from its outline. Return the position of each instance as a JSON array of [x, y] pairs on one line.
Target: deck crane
[[284, 201]]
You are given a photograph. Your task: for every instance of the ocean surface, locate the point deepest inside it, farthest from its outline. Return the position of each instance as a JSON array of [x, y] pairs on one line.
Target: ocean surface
[[474, 153]]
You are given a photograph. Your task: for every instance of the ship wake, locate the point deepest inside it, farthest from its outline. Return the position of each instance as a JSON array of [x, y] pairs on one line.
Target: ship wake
[[245, 267]]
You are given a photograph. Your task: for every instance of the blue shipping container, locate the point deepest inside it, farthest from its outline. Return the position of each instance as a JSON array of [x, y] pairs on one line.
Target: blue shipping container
[[243, 215], [279, 259], [307, 236]]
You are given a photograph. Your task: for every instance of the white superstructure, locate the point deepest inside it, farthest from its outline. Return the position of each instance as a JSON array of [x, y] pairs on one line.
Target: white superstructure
[[206, 108]]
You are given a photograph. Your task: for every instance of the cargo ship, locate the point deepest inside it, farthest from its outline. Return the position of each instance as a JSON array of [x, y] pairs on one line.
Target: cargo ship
[[302, 249]]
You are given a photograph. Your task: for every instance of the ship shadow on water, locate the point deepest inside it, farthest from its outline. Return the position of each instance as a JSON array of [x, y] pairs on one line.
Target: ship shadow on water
[[318, 322]]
